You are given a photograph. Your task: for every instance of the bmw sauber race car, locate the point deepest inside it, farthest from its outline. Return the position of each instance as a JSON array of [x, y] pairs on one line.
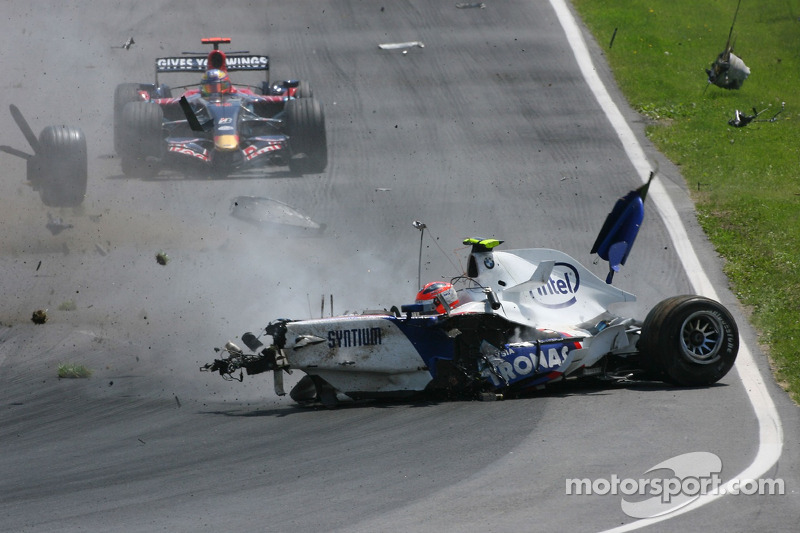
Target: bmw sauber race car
[[214, 127], [521, 320]]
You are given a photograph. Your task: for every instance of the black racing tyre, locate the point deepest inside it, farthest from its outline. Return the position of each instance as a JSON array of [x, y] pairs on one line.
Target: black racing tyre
[[305, 126], [124, 93], [142, 138], [689, 340], [305, 391], [59, 171], [312, 389], [304, 90]]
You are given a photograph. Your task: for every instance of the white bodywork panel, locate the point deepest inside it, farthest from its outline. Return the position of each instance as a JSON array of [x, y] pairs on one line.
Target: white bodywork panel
[[356, 353], [570, 295], [539, 288]]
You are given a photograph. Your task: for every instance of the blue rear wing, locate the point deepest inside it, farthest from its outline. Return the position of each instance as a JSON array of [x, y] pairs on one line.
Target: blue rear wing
[[616, 237]]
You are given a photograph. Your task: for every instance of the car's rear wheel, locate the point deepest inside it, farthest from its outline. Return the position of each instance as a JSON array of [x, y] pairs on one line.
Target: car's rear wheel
[[59, 170], [142, 139], [689, 340], [123, 94], [305, 125]]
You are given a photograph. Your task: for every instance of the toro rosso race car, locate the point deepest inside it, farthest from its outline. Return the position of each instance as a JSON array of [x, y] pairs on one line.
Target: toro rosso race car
[[218, 128], [523, 319]]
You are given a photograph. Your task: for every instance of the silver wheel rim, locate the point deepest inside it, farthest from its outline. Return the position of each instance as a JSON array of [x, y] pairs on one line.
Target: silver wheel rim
[[701, 337]]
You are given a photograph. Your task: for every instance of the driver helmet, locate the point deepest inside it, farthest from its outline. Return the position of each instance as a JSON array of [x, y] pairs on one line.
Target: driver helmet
[[443, 290], [215, 81]]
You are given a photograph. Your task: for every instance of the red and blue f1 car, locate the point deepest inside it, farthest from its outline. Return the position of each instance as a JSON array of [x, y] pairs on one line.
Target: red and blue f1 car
[[222, 132], [523, 319]]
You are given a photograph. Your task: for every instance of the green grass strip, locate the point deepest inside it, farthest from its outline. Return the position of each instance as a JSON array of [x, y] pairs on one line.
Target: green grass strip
[[744, 181]]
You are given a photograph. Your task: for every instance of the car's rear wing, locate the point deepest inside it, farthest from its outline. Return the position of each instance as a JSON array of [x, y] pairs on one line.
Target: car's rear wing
[[236, 62]]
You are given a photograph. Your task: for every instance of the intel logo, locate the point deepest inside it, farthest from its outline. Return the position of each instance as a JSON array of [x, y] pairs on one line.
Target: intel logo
[[560, 289]]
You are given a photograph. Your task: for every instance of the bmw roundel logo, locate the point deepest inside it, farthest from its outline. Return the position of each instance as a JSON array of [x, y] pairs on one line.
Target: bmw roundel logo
[[488, 262]]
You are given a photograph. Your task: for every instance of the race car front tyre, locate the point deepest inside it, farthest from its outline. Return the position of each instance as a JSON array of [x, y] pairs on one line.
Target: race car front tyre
[[304, 90], [123, 94], [305, 125], [689, 340], [59, 170], [312, 389], [142, 139]]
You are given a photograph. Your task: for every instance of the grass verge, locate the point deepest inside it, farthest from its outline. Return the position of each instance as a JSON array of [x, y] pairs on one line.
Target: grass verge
[[744, 181]]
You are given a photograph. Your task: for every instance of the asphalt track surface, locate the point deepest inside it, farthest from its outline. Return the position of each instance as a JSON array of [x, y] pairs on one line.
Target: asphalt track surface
[[489, 130]]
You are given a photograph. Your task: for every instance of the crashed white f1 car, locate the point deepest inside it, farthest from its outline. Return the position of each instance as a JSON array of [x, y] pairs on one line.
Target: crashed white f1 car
[[525, 319]]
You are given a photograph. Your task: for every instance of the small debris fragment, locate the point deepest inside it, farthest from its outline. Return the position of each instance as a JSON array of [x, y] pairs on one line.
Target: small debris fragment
[[266, 211], [73, 371], [382, 189], [741, 120], [400, 46], [162, 258], [126, 45], [56, 225], [613, 36], [38, 266], [39, 316], [177, 401], [464, 5], [490, 397]]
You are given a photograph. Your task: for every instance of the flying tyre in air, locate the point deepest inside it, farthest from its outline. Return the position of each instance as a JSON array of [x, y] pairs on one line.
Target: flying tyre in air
[[58, 167]]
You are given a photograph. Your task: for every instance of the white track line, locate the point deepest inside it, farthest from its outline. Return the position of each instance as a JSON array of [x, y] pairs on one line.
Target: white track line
[[770, 430]]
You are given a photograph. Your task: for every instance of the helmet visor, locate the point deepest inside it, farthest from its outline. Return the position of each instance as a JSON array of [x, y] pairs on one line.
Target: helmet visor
[[217, 87]]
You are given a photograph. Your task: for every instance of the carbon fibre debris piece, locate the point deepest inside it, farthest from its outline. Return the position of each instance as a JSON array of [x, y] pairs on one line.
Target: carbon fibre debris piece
[[261, 210]]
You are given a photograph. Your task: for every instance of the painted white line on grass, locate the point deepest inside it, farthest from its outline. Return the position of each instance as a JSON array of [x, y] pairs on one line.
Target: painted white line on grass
[[770, 430]]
